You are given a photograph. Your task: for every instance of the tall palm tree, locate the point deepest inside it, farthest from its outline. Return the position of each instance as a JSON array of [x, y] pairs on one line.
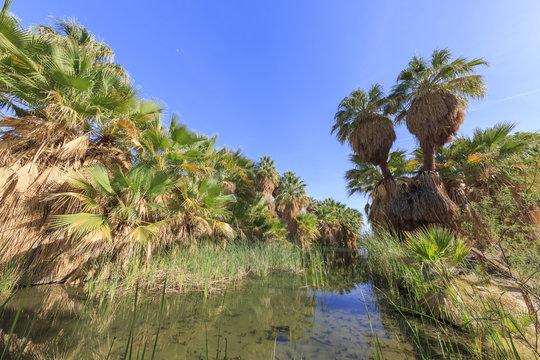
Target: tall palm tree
[[267, 179], [64, 94], [360, 121], [291, 199], [432, 97]]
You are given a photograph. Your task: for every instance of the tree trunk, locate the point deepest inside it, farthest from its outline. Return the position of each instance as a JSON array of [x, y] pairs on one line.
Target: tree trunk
[[429, 158], [387, 175]]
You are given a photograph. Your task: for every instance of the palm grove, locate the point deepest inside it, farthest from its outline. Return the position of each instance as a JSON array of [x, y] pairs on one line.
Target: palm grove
[[88, 170], [482, 188]]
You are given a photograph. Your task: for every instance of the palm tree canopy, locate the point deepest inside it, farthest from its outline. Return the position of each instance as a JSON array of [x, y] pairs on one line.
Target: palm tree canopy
[[266, 173], [291, 189], [421, 78], [489, 152], [360, 121]]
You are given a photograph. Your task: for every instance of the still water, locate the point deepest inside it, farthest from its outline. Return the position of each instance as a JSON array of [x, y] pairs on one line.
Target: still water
[[278, 317]]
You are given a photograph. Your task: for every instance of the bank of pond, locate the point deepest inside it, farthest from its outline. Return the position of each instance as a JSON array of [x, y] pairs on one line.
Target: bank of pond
[[276, 302]]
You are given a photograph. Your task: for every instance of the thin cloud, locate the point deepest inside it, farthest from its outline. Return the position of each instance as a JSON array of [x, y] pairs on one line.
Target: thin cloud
[[512, 97]]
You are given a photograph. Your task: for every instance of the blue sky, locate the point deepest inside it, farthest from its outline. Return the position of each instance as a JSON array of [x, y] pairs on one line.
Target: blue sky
[[267, 75]]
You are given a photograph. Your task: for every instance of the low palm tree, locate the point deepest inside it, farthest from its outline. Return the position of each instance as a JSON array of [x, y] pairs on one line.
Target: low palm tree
[[338, 225], [360, 121], [291, 199], [307, 230], [114, 211], [200, 209], [491, 157], [432, 97], [364, 177], [255, 221]]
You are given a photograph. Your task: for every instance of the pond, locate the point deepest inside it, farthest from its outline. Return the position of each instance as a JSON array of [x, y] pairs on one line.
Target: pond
[[278, 317]]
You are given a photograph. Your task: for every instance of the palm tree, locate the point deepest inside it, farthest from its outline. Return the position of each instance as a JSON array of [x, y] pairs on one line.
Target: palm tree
[[291, 199], [307, 230], [116, 214], [364, 177], [178, 149], [338, 225], [360, 122], [65, 92], [200, 209], [255, 221], [432, 98], [490, 157], [267, 179]]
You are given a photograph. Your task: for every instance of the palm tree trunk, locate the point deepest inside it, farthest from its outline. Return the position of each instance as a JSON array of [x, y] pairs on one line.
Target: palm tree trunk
[[429, 158], [387, 175]]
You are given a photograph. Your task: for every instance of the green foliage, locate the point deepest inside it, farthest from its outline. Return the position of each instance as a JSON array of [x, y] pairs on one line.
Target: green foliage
[[291, 190], [487, 328], [436, 243], [356, 108], [123, 205], [503, 224], [490, 155], [265, 169], [61, 74], [331, 213], [307, 229], [365, 177], [441, 72], [256, 221]]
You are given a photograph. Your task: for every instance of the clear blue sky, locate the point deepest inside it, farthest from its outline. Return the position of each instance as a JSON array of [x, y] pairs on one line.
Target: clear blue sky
[[267, 76]]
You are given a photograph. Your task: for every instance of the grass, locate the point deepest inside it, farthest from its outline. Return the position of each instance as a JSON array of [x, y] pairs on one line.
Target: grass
[[207, 267], [459, 316]]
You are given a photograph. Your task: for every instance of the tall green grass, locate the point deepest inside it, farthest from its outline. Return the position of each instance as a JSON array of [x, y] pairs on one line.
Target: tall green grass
[[445, 317], [206, 267]]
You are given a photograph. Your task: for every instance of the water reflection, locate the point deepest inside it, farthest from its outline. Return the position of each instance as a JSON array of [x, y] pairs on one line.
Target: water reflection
[[278, 317]]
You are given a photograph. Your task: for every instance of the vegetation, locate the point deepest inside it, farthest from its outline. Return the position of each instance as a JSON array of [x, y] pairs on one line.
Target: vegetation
[[421, 282], [89, 171], [432, 97], [485, 190], [96, 190], [360, 122]]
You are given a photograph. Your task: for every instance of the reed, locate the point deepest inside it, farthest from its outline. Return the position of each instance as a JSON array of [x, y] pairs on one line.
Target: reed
[[444, 310]]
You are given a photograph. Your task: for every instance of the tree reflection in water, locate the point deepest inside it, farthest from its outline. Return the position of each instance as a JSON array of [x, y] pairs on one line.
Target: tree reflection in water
[[280, 314]]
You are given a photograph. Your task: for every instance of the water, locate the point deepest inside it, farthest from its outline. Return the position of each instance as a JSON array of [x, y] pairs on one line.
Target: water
[[279, 317]]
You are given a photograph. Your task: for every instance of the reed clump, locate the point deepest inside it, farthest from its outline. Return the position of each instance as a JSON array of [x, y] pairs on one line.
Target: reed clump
[[442, 300]]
